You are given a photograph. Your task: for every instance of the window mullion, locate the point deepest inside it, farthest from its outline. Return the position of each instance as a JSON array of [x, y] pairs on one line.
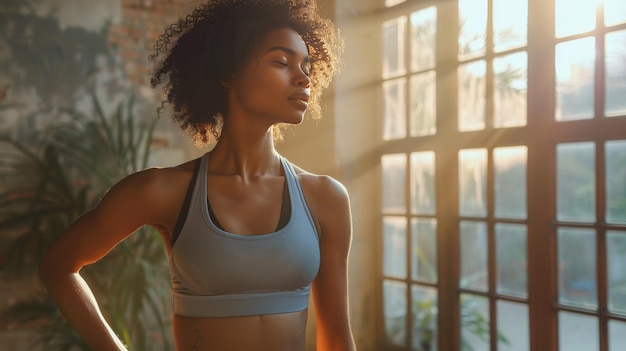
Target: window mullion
[[448, 255], [541, 201]]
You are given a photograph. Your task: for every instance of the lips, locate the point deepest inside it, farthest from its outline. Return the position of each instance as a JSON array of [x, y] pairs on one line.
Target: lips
[[300, 96]]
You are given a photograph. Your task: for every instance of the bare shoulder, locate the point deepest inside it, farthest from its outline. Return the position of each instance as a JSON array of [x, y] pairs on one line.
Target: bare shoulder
[[321, 185], [329, 204], [154, 194], [155, 181]]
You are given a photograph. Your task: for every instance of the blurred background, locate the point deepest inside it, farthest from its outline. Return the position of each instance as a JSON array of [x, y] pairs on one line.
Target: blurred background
[[483, 143]]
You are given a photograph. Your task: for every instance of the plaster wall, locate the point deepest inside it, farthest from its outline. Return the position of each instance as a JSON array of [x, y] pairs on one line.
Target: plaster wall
[[357, 144]]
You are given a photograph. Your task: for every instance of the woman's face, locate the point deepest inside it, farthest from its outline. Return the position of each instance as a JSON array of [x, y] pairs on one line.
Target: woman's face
[[274, 86]]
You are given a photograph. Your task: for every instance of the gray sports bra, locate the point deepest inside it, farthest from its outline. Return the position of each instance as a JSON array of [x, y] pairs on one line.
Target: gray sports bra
[[220, 274]]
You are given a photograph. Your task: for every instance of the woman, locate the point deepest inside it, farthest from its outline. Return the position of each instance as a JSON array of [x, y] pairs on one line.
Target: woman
[[249, 235]]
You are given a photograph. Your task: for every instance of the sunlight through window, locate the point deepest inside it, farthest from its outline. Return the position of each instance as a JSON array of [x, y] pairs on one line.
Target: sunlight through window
[[389, 3], [539, 108], [614, 12], [574, 18], [472, 28], [575, 70]]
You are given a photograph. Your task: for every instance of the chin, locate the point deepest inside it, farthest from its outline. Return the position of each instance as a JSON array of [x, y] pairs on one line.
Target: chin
[[300, 120], [293, 119]]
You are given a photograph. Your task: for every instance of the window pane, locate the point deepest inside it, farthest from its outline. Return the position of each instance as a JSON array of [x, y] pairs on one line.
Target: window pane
[[394, 188], [394, 247], [574, 18], [473, 255], [510, 24], [394, 120], [616, 258], [617, 335], [424, 250], [395, 310], [510, 181], [423, 33], [510, 88], [575, 65], [393, 47], [390, 3], [423, 183], [474, 322], [472, 96], [424, 318], [576, 182], [473, 27], [577, 267], [423, 104], [513, 326], [615, 76], [578, 332], [473, 182], [616, 181], [614, 12], [511, 256]]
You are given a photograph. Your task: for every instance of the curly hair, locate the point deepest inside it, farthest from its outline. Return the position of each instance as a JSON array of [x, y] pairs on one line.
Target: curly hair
[[216, 41]]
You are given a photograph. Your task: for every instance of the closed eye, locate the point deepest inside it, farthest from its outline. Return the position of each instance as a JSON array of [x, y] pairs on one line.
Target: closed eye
[[285, 64]]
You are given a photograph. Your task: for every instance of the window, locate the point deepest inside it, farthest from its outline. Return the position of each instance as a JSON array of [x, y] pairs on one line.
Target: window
[[503, 175]]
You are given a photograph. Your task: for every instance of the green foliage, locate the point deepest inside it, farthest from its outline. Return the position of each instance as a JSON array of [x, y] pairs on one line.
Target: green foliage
[[476, 323], [47, 180], [472, 320], [425, 320]]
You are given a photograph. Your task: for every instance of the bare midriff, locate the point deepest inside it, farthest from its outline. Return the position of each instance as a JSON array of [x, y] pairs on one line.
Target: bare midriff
[[276, 332]]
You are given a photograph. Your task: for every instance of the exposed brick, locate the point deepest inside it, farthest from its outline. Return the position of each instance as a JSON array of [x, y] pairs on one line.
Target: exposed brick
[[143, 21], [130, 55], [119, 30]]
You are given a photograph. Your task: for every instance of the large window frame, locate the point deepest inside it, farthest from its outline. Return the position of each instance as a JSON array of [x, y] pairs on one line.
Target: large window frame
[[541, 135]]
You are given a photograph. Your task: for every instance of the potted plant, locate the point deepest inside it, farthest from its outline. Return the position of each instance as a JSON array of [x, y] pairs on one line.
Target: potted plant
[[47, 179]]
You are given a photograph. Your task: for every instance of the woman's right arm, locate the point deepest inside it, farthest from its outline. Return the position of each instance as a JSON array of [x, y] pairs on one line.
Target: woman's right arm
[[128, 205]]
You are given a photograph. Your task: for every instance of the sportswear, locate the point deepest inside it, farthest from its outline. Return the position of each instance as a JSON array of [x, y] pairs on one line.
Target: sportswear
[[215, 273]]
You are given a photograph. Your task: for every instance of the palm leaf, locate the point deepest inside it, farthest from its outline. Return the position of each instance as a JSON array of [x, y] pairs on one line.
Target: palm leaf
[[49, 186], [34, 311]]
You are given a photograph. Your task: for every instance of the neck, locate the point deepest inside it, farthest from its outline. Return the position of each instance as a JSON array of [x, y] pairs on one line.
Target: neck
[[246, 152]]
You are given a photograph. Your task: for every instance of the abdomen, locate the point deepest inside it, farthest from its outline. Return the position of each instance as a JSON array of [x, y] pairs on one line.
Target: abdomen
[[276, 332]]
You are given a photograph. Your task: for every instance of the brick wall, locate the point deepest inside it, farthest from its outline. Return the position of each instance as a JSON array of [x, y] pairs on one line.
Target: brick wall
[[142, 23], [134, 37]]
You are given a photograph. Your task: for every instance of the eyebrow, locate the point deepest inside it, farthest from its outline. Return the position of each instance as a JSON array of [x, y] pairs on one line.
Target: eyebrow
[[289, 51]]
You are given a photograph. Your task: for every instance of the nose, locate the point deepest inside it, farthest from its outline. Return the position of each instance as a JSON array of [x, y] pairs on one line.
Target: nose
[[302, 79]]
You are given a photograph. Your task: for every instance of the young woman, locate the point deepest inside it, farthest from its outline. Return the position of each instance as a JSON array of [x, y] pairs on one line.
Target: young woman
[[250, 236]]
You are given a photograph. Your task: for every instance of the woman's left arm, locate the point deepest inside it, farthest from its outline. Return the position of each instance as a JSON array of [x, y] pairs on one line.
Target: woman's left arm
[[330, 288]]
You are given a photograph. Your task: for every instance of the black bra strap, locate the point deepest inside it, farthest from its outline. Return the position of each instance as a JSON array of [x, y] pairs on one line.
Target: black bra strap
[[285, 211], [182, 215]]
